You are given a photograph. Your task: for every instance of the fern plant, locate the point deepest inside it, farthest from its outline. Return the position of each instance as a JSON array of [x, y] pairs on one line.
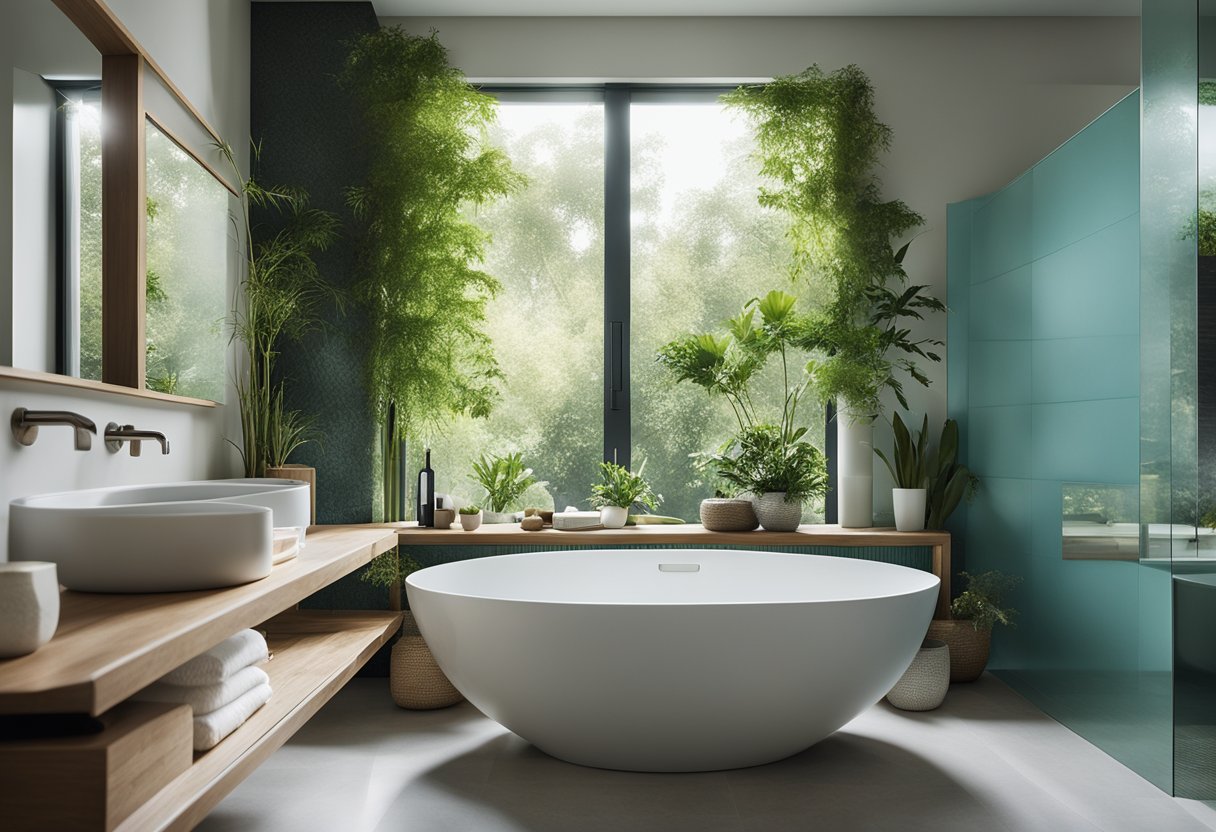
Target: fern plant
[[982, 603], [424, 127]]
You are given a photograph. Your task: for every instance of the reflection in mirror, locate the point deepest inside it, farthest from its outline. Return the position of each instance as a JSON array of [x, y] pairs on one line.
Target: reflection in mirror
[[51, 87], [1101, 521], [188, 257]]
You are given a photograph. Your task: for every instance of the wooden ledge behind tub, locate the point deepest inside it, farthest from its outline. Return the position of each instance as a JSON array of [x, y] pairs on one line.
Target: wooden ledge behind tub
[[510, 534]]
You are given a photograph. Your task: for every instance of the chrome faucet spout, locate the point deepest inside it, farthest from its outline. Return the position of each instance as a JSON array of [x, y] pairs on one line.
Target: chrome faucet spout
[[117, 434], [25, 424]]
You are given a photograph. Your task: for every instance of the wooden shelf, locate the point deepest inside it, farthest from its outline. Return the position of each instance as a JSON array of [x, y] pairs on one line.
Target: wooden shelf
[[315, 654], [510, 534], [108, 647]]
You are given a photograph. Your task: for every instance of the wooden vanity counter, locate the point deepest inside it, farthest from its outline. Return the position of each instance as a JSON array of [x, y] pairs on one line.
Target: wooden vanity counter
[[108, 647]]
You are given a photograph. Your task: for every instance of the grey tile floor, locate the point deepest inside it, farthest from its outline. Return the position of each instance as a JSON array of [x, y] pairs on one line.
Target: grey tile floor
[[987, 760]]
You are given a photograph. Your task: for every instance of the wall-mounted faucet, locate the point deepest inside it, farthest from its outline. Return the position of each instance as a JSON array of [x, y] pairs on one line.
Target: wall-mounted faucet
[[25, 424], [117, 434]]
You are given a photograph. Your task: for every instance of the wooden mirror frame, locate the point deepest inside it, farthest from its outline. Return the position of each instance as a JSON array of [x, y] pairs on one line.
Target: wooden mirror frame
[[124, 218]]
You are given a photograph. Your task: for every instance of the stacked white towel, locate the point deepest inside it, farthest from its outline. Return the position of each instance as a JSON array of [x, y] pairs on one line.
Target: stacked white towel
[[223, 686]]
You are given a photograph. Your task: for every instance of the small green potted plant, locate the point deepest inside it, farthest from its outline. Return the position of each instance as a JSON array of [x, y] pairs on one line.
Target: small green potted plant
[[781, 471], [618, 490], [505, 479], [976, 611], [929, 484], [470, 518]]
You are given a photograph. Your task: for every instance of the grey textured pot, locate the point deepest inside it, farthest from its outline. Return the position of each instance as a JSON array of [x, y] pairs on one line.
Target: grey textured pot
[[924, 684], [775, 514]]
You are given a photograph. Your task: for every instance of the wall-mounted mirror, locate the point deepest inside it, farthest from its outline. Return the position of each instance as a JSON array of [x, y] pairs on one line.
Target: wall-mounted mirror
[[188, 261], [144, 308], [50, 215]]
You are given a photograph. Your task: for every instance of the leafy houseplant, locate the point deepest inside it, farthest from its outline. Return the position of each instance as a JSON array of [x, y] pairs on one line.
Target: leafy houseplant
[[505, 479], [913, 466], [818, 142], [762, 457], [975, 613], [618, 490], [909, 467], [282, 294], [425, 128]]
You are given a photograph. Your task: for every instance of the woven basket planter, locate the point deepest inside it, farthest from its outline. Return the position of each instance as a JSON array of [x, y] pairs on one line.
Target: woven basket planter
[[728, 515], [924, 684], [415, 680], [968, 648]]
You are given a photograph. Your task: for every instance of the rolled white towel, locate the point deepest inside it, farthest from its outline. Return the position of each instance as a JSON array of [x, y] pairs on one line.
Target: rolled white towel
[[221, 661], [210, 728], [206, 698]]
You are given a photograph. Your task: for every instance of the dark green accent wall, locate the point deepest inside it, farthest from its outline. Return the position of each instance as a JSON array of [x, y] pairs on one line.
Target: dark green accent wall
[[310, 138], [309, 131]]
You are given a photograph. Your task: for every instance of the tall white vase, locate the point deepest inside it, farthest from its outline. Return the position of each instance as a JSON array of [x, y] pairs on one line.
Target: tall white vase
[[855, 469]]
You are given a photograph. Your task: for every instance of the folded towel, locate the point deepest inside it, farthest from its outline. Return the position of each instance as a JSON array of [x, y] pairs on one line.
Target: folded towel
[[221, 661], [206, 698], [210, 728]]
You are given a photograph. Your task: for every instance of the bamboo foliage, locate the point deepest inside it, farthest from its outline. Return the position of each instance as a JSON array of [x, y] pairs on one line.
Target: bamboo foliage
[[430, 165], [282, 293]]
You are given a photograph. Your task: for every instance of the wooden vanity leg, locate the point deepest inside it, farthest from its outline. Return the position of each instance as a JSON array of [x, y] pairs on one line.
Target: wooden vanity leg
[[942, 569]]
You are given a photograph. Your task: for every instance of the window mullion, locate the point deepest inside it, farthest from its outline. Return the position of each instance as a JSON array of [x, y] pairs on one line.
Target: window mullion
[[616, 274]]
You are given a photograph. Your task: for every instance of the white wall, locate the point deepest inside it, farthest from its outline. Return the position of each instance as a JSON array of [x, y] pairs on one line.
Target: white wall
[[204, 46], [973, 101]]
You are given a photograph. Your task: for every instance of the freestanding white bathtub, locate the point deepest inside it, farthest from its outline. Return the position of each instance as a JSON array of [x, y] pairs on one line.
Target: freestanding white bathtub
[[668, 659]]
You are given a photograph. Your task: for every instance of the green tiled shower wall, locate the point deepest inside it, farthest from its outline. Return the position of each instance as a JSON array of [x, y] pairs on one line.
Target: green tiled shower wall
[[1044, 378]]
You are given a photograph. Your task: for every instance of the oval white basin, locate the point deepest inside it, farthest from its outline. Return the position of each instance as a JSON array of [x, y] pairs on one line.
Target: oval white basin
[[158, 538]]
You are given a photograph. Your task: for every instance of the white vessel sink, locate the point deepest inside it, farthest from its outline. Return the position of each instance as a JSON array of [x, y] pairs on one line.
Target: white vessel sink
[[158, 538]]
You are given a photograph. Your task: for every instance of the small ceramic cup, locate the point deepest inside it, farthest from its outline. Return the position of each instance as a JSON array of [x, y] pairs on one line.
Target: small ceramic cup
[[29, 606]]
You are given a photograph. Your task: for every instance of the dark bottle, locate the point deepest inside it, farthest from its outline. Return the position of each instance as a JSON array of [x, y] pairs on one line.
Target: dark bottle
[[426, 495]]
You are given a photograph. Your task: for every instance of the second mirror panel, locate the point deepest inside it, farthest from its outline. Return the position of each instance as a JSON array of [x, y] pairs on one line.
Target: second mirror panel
[[189, 255]]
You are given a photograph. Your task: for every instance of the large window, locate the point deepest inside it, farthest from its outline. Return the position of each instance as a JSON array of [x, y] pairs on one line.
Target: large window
[[640, 223]]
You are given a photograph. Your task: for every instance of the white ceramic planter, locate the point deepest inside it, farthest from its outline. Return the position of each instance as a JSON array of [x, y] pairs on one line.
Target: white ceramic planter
[[909, 508], [498, 516], [614, 517], [29, 606], [777, 515], [924, 684], [855, 468], [470, 522]]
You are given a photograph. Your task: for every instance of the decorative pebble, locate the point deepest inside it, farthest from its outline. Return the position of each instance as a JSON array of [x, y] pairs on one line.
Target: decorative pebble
[[532, 524]]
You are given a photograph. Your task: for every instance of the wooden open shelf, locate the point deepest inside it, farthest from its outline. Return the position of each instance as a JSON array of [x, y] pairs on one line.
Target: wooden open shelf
[[108, 647], [315, 654], [510, 534]]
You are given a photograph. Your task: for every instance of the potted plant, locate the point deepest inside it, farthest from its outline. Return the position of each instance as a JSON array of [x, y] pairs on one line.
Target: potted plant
[[765, 456], [618, 490], [975, 612], [470, 518], [282, 293], [425, 130], [781, 469], [505, 479], [908, 466], [929, 485], [820, 143]]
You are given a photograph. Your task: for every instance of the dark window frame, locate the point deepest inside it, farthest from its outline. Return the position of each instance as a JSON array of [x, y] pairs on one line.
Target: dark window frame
[[616, 99]]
